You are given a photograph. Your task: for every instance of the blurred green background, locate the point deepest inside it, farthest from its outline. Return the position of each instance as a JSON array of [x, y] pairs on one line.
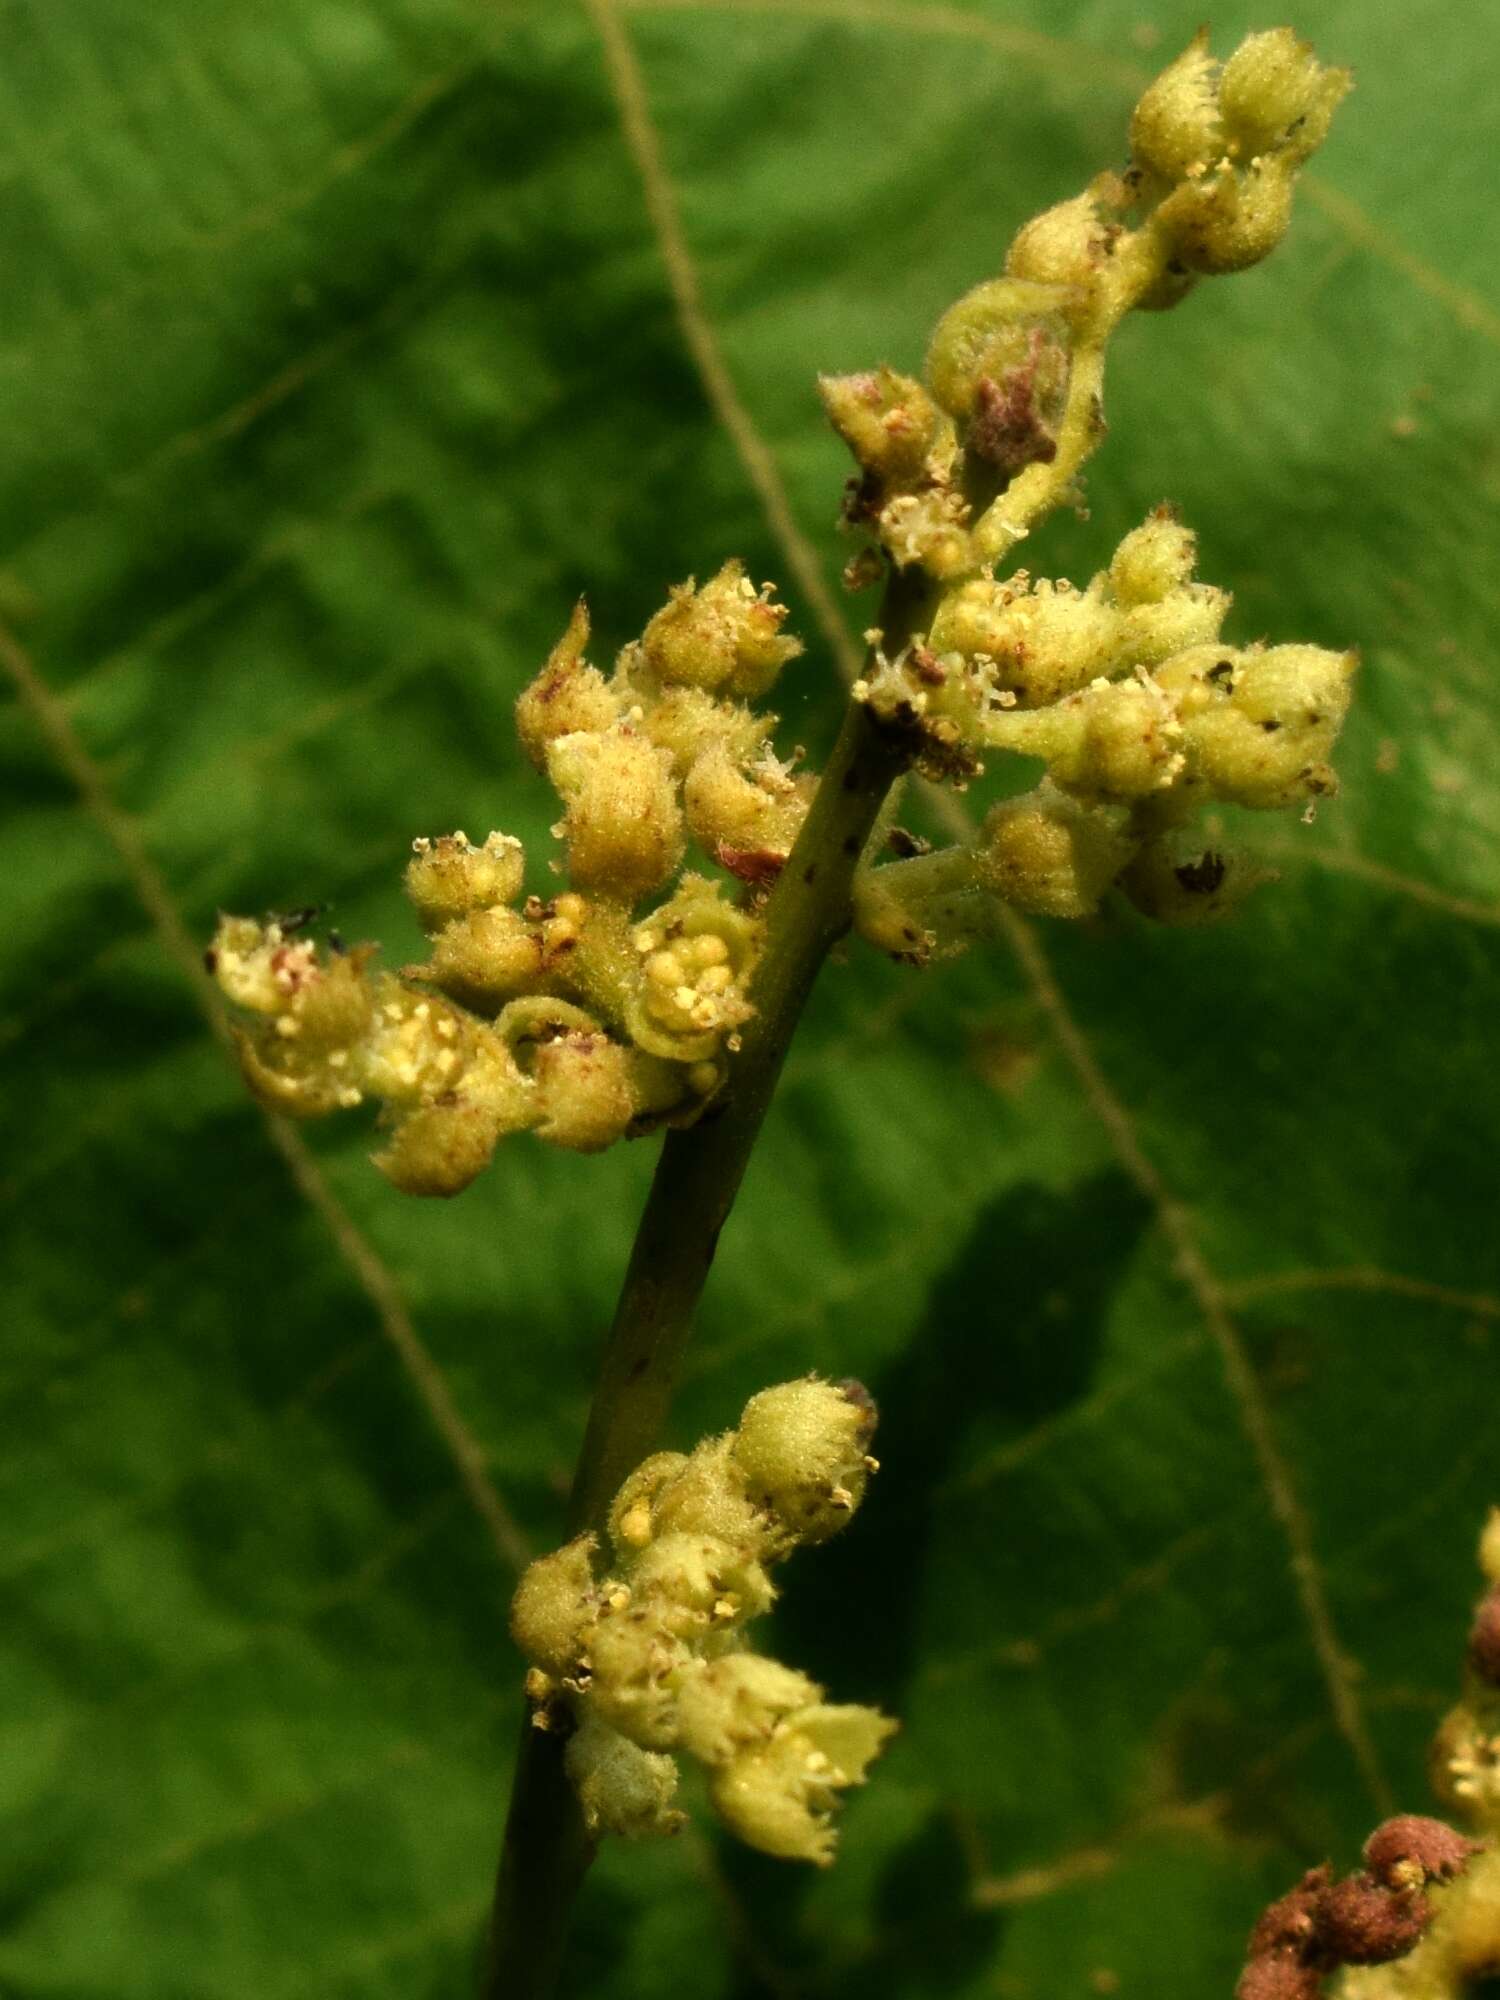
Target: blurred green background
[[345, 343]]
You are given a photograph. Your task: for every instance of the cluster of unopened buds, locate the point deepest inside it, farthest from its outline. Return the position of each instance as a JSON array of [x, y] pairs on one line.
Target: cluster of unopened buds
[[1421, 1919], [638, 1649], [615, 1007]]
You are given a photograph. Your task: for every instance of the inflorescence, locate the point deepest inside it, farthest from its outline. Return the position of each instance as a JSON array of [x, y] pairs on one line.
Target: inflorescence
[[638, 1650], [614, 1007]]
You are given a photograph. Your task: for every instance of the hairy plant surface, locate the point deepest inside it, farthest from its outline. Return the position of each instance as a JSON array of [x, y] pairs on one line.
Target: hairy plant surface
[[348, 342]]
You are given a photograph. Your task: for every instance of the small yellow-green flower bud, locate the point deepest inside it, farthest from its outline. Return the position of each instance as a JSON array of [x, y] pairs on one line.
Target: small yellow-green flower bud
[[687, 722], [758, 812], [553, 1606], [930, 529], [440, 1148], [710, 1580], [1153, 560], [803, 1447], [1176, 124], [486, 958], [636, 1652], [1190, 616], [1260, 723], [449, 877], [1227, 221], [779, 1796], [418, 1047], [631, 1518], [1115, 740], [621, 1788], [707, 1495], [990, 332], [888, 421], [567, 695], [696, 956], [1275, 94], [623, 825], [583, 1091], [725, 638], [1052, 856], [733, 1702], [1065, 245]]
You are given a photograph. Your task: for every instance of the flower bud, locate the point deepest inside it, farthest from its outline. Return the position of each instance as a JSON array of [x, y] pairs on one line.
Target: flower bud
[[1036, 642], [725, 638], [621, 1788], [1115, 740], [623, 825], [418, 1047], [1051, 856], [637, 1651], [710, 1580], [567, 695], [802, 1447], [1410, 1850], [737, 1701], [779, 1796], [1001, 328], [1260, 723], [1274, 94], [761, 812], [553, 1606], [1065, 245], [486, 958], [888, 421], [1228, 221], [1176, 124], [707, 1496], [631, 1517], [696, 954], [1153, 560], [449, 877], [583, 1091], [440, 1148]]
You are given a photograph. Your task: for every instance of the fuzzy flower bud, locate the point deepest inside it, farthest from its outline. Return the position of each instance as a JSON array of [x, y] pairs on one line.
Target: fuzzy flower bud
[[1153, 560], [553, 1605], [623, 826], [1065, 245], [449, 877], [725, 638], [803, 1447], [1259, 724], [621, 1788], [888, 421], [1274, 94], [780, 1796], [1115, 740], [1051, 856], [567, 695], [1176, 124]]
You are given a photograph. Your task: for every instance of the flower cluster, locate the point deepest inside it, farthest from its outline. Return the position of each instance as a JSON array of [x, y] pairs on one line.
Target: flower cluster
[[638, 1650], [1421, 1919], [1123, 689], [582, 1017]]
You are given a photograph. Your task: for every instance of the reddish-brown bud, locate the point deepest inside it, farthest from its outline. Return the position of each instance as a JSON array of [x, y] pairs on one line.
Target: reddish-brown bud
[[1288, 1923], [1360, 1922], [1411, 1849]]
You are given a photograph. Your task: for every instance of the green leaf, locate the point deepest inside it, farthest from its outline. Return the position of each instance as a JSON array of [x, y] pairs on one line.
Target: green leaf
[[347, 342]]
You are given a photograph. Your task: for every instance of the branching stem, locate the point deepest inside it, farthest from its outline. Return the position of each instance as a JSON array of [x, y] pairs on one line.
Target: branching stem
[[546, 1851]]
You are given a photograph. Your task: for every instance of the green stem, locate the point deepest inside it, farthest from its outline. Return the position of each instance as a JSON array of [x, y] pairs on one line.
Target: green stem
[[546, 1850]]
